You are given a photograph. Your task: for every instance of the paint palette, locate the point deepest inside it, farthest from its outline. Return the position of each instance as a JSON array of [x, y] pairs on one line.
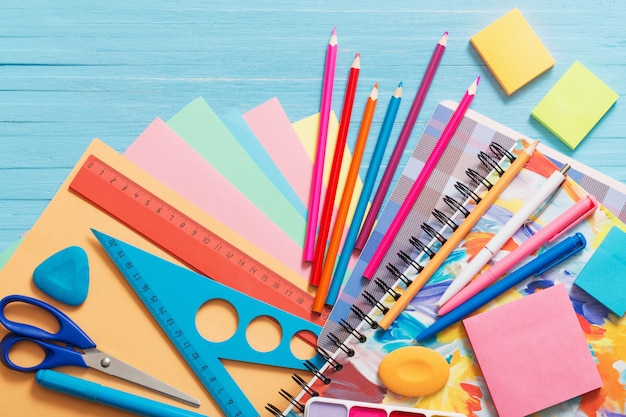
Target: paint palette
[[329, 407]]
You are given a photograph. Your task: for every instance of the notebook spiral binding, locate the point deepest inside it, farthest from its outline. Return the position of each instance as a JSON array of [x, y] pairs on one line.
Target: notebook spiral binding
[[371, 296]]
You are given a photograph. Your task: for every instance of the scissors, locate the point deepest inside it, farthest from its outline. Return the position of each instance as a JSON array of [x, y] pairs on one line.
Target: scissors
[[72, 348]]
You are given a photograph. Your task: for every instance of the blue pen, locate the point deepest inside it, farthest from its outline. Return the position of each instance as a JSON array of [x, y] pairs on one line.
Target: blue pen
[[366, 193], [537, 266], [91, 391]]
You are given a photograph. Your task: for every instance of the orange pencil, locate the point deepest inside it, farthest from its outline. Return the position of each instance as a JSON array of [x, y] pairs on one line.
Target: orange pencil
[[346, 198]]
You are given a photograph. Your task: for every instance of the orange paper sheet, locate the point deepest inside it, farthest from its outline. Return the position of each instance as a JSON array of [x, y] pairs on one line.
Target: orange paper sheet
[[113, 316]]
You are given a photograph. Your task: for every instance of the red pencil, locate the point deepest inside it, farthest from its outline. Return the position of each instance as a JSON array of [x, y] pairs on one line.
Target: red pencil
[[333, 181], [346, 198]]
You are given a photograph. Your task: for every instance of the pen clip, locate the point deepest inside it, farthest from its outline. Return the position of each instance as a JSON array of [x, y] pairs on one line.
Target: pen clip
[[578, 248], [549, 200], [593, 206]]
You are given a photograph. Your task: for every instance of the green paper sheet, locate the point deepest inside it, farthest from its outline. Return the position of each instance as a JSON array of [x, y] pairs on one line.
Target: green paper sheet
[[203, 130]]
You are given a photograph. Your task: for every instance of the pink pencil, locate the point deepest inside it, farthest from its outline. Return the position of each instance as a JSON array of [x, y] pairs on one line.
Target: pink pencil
[[420, 182], [322, 135], [335, 171], [407, 128]]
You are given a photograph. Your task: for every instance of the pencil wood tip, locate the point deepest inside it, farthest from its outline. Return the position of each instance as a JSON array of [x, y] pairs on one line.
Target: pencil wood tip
[[398, 92], [356, 63], [531, 148], [333, 38], [473, 87], [374, 93], [444, 39]]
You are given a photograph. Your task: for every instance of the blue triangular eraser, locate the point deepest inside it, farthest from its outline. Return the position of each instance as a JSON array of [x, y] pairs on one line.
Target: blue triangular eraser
[[64, 276]]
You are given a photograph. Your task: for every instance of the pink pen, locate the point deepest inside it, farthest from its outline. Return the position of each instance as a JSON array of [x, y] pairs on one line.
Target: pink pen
[[551, 232]]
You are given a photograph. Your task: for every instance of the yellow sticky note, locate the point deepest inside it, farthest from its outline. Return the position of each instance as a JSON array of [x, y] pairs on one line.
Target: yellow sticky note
[[574, 105], [512, 51]]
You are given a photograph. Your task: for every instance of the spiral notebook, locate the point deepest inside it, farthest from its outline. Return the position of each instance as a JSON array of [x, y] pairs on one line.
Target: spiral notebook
[[354, 347]]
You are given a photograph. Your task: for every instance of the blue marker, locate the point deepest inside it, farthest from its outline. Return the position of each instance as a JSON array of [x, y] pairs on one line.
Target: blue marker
[[364, 198], [91, 391], [537, 266]]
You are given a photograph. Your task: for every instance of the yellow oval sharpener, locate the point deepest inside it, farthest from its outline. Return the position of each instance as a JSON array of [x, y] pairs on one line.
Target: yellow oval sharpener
[[414, 371]]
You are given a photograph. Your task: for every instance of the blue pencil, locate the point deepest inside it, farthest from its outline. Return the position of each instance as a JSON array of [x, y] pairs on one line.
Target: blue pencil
[[366, 193], [537, 266]]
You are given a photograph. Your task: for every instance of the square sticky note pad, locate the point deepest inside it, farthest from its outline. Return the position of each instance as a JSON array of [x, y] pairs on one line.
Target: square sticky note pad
[[574, 105], [512, 51], [604, 275], [532, 353]]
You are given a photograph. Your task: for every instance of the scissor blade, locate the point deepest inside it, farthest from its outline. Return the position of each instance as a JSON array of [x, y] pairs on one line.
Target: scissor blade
[[108, 364]]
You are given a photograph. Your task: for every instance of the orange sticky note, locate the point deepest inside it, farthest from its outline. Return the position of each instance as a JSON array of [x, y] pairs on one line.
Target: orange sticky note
[[532, 353], [512, 51]]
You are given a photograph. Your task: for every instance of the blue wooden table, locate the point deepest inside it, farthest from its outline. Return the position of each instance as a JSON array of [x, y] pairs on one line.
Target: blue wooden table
[[72, 71]]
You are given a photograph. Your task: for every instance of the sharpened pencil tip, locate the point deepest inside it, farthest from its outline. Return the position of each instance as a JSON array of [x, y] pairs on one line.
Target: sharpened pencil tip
[[333, 38], [444, 39], [473, 87]]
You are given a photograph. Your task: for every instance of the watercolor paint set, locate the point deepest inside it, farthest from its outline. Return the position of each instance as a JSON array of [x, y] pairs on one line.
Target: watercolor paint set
[[329, 407]]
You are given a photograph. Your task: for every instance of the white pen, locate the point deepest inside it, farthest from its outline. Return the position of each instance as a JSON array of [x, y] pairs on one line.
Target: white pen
[[505, 233]]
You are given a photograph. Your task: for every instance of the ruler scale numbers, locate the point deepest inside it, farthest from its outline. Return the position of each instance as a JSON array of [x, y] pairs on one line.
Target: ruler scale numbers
[[189, 241], [215, 378]]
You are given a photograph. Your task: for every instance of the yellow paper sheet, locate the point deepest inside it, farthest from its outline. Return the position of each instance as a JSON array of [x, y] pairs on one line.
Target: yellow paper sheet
[[306, 129], [113, 315]]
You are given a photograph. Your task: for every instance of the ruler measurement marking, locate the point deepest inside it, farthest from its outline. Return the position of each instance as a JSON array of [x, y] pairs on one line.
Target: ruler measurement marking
[[300, 301], [168, 324]]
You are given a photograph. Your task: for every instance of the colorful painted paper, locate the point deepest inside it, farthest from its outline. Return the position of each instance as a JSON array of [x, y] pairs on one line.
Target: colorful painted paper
[[604, 276], [532, 353], [466, 391], [512, 51], [574, 105]]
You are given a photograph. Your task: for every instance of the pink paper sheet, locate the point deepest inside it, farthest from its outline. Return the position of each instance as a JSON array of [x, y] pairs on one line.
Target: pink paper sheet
[[167, 157], [533, 353], [273, 129]]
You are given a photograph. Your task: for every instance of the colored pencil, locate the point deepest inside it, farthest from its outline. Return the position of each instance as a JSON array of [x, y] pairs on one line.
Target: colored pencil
[[320, 154], [421, 179], [405, 133], [364, 198], [335, 171], [455, 238], [348, 190]]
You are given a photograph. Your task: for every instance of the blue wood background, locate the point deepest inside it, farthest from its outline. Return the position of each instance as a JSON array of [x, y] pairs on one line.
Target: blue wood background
[[71, 71]]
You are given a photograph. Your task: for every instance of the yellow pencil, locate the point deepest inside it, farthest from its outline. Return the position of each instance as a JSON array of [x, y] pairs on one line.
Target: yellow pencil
[[455, 238], [346, 198]]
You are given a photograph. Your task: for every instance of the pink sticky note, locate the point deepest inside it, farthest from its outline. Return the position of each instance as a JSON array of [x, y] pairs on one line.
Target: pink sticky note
[[167, 157], [532, 353]]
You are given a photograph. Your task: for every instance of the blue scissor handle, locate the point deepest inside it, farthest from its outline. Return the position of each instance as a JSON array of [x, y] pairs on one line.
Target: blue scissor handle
[[68, 333], [55, 355]]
